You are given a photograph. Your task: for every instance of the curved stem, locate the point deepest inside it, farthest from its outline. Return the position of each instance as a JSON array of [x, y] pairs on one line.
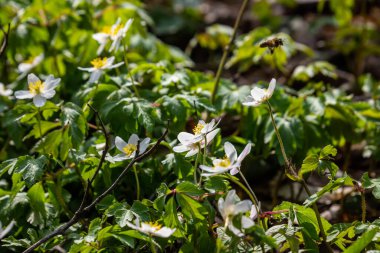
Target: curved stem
[[153, 248], [39, 118], [196, 165], [137, 182], [301, 180], [278, 136], [227, 50], [364, 206]]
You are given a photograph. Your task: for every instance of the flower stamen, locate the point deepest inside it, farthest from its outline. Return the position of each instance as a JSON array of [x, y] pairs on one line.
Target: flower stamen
[[129, 149], [155, 225], [198, 128], [99, 62], [36, 87]]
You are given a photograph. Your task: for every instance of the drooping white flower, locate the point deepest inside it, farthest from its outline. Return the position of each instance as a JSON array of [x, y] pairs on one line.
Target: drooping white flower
[[193, 143], [259, 96], [152, 229], [115, 33], [99, 65], [129, 149], [26, 66], [231, 162], [230, 207], [5, 92], [39, 91]]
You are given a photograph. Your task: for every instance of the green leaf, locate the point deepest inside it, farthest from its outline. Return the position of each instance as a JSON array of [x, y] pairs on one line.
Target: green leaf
[[31, 169], [371, 183], [320, 162], [362, 241], [36, 197], [190, 208], [72, 118], [331, 186], [188, 188], [46, 126]]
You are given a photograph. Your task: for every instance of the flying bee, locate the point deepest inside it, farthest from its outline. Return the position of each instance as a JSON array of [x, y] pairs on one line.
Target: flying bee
[[273, 43]]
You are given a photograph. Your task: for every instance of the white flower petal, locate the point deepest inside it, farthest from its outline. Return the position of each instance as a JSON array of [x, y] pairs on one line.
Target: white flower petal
[[120, 143], [234, 171], [230, 151], [48, 94], [133, 139], [258, 94], [144, 145], [210, 136], [164, 232], [23, 94], [51, 82], [180, 148], [185, 137], [116, 65], [95, 75], [120, 157], [244, 153], [246, 222], [253, 213], [192, 152], [39, 100], [100, 37], [272, 86], [243, 206], [24, 67], [32, 78], [87, 69]]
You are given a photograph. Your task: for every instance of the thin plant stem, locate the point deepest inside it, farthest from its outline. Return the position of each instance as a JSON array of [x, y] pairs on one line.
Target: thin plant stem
[[253, 193], [137, 182], [278, 136], [196, 166], [39, 118], [303, 183], [153, 248], [364, 206], [204, 158], [129, 73], [227, 50]]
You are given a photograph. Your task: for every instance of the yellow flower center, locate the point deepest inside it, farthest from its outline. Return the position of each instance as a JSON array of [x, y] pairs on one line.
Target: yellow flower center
[[112, 30], [129, 149], [30, 60], [198, 128], [36, 87], [155, 225], [225, 162], [99, 62]]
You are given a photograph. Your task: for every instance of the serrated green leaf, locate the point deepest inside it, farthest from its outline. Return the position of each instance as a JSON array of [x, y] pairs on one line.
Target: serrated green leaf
[[362, 241], [36, 196], [188, 188]]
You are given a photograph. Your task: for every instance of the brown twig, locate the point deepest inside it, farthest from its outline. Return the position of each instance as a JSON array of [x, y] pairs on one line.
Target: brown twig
[[82, 210], [106, 147]]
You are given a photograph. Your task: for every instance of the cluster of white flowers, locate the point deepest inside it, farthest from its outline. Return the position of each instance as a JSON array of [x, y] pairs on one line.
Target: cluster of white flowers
[[203, 134]]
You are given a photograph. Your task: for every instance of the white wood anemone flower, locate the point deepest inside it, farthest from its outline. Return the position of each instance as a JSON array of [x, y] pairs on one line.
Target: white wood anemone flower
[[193, 143], [5, 92], [129, 149], [231, 162], [151, 228], [115, 33], [259, 96], [39, 91], [99, 65], [27, 65], [230, 207]]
